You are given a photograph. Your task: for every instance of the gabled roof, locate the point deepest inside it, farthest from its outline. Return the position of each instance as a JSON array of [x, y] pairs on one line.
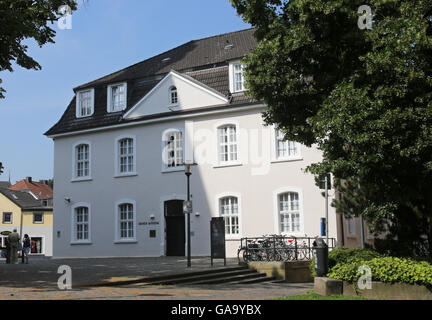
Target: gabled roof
[[204, 52], [36, 187], [205, 61], [23, 199]]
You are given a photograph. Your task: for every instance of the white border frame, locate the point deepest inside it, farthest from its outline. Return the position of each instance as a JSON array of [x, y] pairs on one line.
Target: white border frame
[[109, 96], [74, 147], [44, 245], [117, 173], [43, 217], [276, 194], [92, 90], [240, 215], [73, 241], [117, 239]]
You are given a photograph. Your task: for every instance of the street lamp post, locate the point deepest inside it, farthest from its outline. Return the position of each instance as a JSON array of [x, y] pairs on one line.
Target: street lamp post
[[188, 173]]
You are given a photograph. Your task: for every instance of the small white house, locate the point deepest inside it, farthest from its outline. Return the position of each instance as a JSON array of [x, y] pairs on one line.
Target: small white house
[[121, 144]]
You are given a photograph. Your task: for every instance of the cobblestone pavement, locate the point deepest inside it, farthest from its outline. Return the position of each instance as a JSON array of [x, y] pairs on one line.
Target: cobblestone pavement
[[262, 291], [38, 280], [42, 272]]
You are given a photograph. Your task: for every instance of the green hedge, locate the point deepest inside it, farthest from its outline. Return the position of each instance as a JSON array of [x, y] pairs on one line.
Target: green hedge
[[386, 269], [345, 255]]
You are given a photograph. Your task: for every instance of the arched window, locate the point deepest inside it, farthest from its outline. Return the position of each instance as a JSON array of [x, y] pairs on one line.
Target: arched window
[[82, 161], [173, 149], [289, 212], [229, 210], [126, 154], [227, 143], [81, 223], [173, 95]]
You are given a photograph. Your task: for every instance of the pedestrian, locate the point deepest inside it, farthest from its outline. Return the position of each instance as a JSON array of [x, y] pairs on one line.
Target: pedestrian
[[14, 242], [26, 248], [7, 251]]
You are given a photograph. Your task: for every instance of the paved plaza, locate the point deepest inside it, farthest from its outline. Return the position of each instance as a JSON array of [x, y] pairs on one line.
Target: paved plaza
[[38, 280]]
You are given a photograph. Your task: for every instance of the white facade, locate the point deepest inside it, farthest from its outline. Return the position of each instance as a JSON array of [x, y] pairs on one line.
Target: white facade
[[256, 179], [120, 187]]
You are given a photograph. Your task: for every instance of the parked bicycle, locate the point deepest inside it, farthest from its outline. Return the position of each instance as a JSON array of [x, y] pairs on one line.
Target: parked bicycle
[[277, 248]]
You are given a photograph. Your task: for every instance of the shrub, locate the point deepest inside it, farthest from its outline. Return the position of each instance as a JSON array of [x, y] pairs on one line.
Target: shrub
[[386, 269], [345, 255]]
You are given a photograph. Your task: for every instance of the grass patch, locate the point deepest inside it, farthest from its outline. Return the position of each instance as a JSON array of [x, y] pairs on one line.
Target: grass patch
[[311, 295]]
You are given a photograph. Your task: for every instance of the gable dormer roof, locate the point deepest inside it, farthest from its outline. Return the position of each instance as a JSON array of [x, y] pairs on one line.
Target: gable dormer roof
[[204, 61]]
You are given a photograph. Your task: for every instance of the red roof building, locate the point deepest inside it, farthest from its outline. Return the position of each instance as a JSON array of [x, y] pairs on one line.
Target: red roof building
[[40, 190]]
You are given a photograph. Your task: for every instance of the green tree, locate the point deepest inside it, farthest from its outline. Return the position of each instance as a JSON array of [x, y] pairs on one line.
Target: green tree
[[362, 96], [26, 19]]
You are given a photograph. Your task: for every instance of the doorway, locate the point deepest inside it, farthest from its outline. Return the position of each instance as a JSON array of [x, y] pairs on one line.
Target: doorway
[[175, 228]]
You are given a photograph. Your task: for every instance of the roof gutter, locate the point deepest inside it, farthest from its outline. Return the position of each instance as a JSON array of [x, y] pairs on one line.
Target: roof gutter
[[162, 119]]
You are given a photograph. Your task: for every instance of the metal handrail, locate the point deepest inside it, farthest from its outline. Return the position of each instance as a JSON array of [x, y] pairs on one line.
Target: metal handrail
[[278, 248]]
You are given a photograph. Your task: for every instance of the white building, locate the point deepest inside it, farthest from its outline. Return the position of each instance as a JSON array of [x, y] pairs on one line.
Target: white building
[[121, 143]]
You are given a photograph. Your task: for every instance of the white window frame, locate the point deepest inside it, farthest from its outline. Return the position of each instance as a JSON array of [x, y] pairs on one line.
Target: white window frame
[[118, 239], [110, 107], [3, 217], [239, 214], [75, 178], [170, 97], [73, 222], [38, 222], [117, 172], [165, 134], [43, 251], [78, 103], [230, 162], [232, 66], [277, 226], [274, 149]]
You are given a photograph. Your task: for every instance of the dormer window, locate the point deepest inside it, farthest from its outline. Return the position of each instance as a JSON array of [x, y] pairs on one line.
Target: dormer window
[[85, 103], [237, 80], [116, 97], [173, 96]]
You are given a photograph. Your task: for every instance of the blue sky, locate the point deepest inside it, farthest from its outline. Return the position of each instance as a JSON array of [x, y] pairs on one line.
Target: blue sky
[[106, 35]]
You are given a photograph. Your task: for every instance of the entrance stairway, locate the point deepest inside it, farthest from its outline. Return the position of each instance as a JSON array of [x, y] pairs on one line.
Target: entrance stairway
[[231, 275]]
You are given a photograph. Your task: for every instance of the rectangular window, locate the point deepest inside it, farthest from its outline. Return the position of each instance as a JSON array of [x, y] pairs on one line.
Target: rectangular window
[[228, 209], [85, 103], [38, 217], [174, 149], [126, 221], [82, 224], [284, 148], [126, 155], [351, 226], [117, 97], [7, 217], [239, 80], [82, 161], [227, 144], [289, 212]]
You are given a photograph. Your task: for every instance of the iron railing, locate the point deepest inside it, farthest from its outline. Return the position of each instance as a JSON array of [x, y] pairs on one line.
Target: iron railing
[[277, 248]]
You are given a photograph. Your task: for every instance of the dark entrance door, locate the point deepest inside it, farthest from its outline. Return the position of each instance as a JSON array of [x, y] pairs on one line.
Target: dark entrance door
[[175, 228]]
